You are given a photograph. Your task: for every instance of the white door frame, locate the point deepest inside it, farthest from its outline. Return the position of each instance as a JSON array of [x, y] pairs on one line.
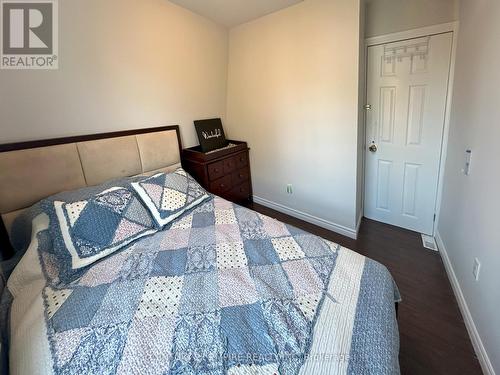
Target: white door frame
[[412, 34]]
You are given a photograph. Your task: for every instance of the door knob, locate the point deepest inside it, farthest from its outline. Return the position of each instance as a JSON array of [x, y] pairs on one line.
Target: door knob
[[373, 148]]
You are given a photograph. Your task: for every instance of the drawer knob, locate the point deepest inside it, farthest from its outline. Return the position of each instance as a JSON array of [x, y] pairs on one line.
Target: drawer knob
[[216, 169], [222, 185]]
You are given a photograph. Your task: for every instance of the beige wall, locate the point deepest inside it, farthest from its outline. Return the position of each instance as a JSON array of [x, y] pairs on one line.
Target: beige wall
[[123, 64], [293, 95], [390, 16], [469, 223]]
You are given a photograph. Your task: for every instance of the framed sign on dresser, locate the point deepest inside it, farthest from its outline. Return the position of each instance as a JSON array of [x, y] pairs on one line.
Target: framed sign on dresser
[[224, 172]]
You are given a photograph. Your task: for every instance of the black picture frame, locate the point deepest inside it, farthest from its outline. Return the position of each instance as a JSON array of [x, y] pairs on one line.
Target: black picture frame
[[210, 134]]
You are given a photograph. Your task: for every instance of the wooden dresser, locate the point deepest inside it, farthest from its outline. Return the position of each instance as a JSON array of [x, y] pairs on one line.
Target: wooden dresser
[[224, 172]]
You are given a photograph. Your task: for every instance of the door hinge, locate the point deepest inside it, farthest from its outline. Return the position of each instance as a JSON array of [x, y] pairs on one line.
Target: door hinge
[[434, 218], [367, 107]]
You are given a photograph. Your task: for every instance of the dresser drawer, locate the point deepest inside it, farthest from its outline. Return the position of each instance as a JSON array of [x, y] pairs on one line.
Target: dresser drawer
[[230, 164], [241, 160], [241, 175], [240, 192], [216, 170], [221, 185]]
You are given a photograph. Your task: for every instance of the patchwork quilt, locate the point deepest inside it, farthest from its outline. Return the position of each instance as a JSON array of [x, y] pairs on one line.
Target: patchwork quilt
[[223, 290]]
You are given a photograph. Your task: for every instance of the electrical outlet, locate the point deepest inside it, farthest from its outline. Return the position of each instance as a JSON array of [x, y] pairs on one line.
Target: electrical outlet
[[476, 268], [289, 189]]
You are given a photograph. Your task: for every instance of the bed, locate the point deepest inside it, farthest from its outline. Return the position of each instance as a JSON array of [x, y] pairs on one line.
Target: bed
[[203, 287]]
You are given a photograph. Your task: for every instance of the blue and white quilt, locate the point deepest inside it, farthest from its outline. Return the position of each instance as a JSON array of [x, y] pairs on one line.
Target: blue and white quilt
[[222, 290]]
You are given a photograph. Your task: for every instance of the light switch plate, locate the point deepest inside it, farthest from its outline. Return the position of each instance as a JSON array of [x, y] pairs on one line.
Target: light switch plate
[[476, 268]]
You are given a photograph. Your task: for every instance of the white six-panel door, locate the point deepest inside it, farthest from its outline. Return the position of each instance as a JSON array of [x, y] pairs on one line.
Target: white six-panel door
[[407, 84]]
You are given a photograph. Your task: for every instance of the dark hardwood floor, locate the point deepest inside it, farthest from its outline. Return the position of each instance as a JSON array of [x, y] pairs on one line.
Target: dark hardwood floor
[[433, 336]]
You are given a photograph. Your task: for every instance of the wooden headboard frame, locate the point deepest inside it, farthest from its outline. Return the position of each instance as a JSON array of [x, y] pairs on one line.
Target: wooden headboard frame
[[5, 246]]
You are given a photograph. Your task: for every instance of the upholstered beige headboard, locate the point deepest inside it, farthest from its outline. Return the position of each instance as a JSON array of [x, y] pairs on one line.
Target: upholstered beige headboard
[[31, 171]]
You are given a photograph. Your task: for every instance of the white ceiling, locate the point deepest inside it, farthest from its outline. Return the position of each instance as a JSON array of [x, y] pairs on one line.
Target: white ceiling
[[234, 12]]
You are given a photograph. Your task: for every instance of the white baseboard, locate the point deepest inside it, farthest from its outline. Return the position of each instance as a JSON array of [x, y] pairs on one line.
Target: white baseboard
[[477, 343], [345, 231]]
